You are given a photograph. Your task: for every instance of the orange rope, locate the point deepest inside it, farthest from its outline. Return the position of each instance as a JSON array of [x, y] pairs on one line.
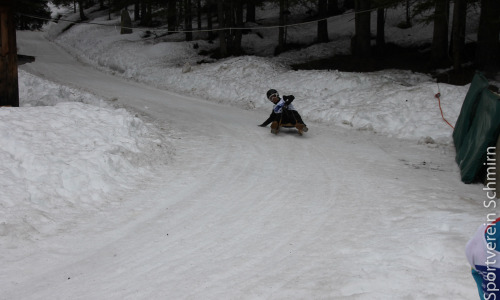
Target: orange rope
[[438, 95]]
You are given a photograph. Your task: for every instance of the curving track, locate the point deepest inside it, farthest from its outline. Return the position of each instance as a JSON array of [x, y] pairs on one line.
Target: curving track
[[243, 214]]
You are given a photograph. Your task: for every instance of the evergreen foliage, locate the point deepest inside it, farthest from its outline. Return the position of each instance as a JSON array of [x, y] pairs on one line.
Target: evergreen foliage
[[183, 15], [29, 9]]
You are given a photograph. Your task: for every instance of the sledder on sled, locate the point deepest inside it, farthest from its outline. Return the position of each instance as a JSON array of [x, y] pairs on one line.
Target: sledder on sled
[[283, 114]]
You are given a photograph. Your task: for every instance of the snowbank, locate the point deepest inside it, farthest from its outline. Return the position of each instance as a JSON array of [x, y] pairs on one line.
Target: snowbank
[[63, 157]]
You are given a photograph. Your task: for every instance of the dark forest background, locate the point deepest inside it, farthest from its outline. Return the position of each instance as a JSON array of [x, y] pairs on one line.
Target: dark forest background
[[226, 21]]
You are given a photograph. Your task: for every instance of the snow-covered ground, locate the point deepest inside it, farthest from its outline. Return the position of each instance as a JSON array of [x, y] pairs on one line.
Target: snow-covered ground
[[113, 188]]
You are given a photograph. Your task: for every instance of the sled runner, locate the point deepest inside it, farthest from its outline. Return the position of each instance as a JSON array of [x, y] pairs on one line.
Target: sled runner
[[276, 126]]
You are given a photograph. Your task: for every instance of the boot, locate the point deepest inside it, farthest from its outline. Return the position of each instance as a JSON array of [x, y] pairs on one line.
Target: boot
[[300, 128], [275, 127]]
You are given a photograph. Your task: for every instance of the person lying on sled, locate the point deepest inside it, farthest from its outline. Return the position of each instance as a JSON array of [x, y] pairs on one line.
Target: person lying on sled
[[283, 114]]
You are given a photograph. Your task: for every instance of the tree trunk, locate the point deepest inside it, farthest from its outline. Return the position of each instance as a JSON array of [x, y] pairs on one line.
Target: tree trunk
[[238, 33], [171, 15], [230, 16], [150, 12], [230, 21], [188, 20], [439, 47], [361, 42], [9, 82], [250, 11], [126, 22], [198, 13], [82, 14], [109, 9], [222, 33], [209, 19], [408, 17], [323, 23], [144, 13], [281, 32], [380, 28], [488, 47], [137, 10], [458, 33]]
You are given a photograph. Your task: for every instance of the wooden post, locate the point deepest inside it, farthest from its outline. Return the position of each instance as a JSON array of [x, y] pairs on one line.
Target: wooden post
[[9, 86]]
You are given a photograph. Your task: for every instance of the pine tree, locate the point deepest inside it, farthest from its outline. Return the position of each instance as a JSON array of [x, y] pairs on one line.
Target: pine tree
[[32, 14]]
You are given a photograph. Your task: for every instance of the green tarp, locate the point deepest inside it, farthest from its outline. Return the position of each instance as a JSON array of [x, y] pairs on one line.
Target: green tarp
[[477, 128]]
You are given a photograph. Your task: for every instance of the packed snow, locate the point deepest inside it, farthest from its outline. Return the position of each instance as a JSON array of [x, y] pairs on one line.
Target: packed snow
[[107, 194]]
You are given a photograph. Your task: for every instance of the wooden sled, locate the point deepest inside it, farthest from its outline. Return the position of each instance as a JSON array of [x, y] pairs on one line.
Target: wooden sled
[[301, 128]]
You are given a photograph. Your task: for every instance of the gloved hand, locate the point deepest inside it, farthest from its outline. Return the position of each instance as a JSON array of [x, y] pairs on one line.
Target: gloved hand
[[288, 99]]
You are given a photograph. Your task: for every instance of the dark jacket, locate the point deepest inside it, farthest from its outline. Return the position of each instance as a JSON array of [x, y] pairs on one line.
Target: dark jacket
[[284, 112]]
